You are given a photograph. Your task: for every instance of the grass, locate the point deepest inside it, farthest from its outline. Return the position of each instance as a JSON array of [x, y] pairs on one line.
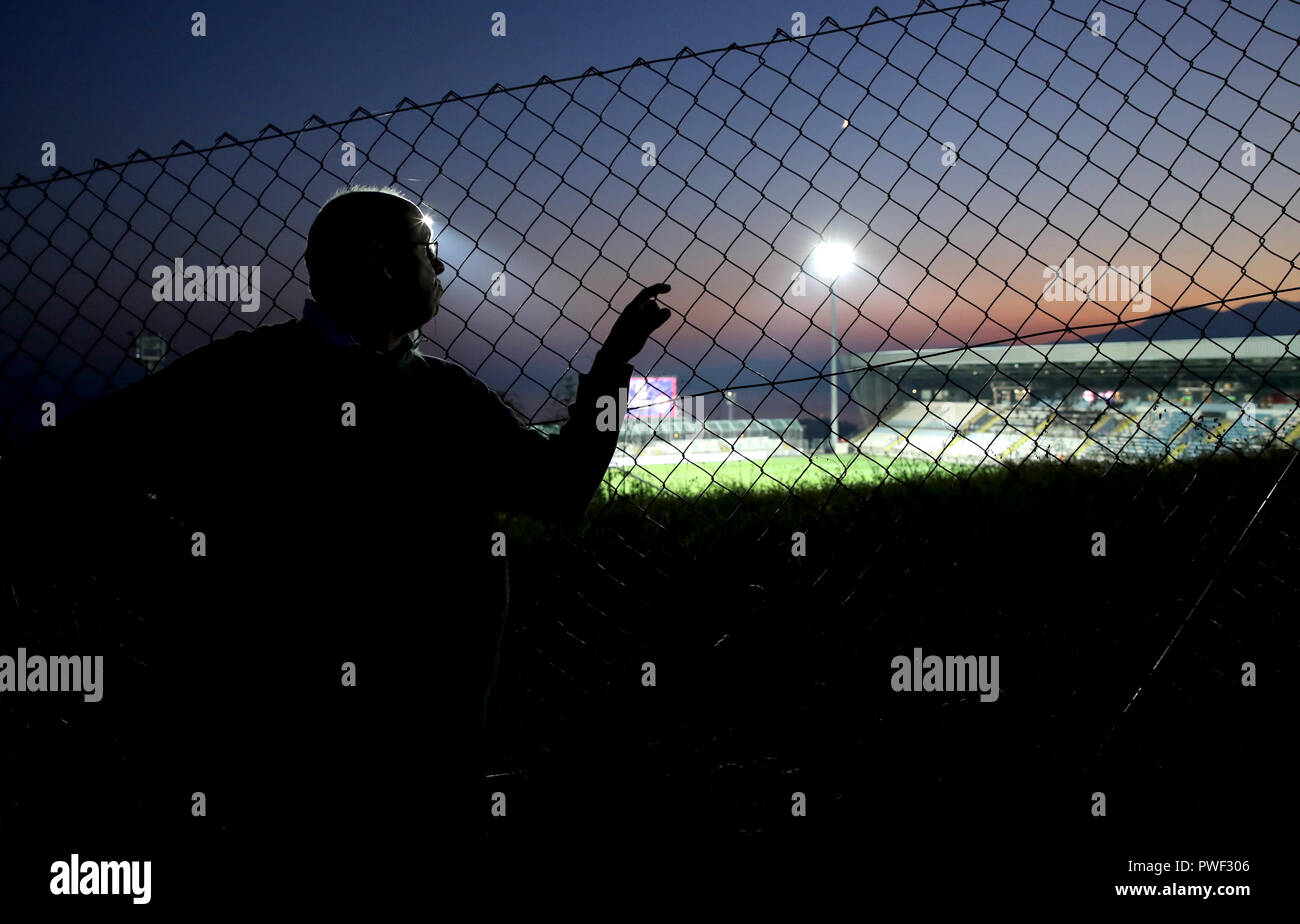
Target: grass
[[690, 480]]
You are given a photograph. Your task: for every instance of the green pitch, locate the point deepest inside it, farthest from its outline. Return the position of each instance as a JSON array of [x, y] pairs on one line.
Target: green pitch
[[692, 479]]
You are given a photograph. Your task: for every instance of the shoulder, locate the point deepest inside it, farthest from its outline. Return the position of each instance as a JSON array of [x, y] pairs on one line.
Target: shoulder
[[455, 380], [451, 373], [244, 346], [266, 337], [443, 366]]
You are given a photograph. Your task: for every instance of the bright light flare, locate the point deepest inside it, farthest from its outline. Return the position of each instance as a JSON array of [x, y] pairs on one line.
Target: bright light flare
[[832, 258]]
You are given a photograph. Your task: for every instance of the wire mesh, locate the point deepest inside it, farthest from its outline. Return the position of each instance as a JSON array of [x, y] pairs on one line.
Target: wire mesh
[[967, 155]]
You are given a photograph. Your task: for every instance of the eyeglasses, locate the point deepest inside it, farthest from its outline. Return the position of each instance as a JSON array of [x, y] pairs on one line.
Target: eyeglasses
[[430, 246], [433, 249]]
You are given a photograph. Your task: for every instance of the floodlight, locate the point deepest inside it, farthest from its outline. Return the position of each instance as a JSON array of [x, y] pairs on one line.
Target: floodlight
[[832, 258]]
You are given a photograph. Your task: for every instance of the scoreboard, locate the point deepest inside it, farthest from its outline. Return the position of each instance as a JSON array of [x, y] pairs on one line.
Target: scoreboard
[[652, 396]]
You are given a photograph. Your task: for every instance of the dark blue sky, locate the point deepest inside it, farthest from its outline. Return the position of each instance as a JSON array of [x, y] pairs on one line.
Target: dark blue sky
[[1119, 150], [101, 80]]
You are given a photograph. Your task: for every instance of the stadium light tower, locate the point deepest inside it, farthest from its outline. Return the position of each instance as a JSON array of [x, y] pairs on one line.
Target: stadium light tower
[[832, 259]]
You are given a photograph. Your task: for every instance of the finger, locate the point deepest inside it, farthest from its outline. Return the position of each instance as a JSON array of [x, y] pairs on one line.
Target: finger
[[648, 293], [652, 320], [651, 311], [652, 315]]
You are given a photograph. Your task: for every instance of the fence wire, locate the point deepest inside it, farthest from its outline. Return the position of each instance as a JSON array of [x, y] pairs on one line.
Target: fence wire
[[967, 156]]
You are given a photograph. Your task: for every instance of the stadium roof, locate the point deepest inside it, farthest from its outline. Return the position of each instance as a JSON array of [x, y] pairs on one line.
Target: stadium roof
[[1081, 353]]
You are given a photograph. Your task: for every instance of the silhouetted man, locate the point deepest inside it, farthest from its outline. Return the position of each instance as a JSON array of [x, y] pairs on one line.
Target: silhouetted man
[[327, 493]]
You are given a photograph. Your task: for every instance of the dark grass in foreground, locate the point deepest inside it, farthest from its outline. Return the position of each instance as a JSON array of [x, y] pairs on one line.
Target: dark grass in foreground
[[774, 670]]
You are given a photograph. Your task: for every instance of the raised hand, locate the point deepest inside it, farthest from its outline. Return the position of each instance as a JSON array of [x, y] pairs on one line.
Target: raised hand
[[639, 319]]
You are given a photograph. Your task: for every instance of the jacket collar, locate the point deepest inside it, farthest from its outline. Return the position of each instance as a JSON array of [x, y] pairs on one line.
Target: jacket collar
[[319, 321]]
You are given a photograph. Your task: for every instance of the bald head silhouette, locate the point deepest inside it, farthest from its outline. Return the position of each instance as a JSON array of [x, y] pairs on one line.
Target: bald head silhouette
[[370, 266]]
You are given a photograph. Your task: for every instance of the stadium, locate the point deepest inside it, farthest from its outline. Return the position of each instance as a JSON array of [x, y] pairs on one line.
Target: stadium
[[866, 431], [1123, 400], [1158, 400]]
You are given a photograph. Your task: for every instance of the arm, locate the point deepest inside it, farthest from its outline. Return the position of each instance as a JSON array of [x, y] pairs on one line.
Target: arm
[[563, 472]]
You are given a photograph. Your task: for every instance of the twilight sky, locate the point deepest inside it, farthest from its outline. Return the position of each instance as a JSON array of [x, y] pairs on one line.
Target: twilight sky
[[1122, 149]]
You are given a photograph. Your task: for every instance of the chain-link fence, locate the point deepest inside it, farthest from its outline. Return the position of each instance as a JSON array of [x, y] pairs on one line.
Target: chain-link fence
[[1068, 233]]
